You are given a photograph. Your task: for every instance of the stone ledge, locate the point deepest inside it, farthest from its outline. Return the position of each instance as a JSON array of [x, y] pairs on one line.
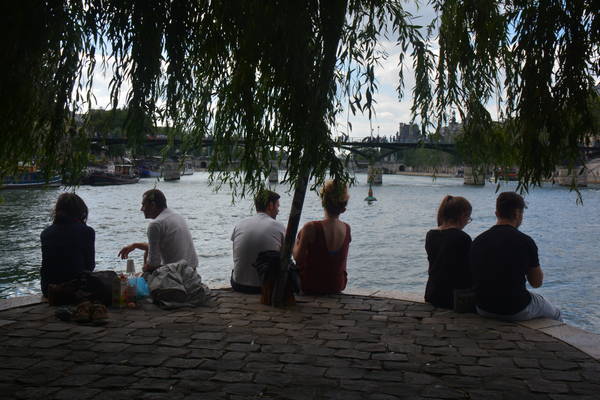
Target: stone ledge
[[15, 302], [587, 342]]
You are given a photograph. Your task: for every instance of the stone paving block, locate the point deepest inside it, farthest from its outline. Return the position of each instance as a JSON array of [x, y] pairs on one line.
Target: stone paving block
[[559, 365], [371, 347], [155, 385], [591, 387], [109, 347], [526, 362], [247, 390], [119, 395], [28, 393], [316, 350], [183, 363], [461, 382], [442, 392], [76, 393], [565, 376], [481, 394], [332, 362], [301, 370], [546, 386], [117, 381], [196, 375], [390, 356], [195, 386], [233, 376], [355, 354], [116, 369], [153, 372], [476, 371], [338, 344], [345, 373], [16, 362], [147, 360], [387, 376], [223, 365], [263, 357], [141, 340]]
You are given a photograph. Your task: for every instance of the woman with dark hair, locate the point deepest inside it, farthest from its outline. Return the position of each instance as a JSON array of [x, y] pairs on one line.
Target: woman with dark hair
[[321, 248], [67, 244], [448, 252]]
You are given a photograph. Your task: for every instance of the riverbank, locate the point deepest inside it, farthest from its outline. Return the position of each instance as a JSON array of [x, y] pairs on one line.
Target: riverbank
[[352, 346]]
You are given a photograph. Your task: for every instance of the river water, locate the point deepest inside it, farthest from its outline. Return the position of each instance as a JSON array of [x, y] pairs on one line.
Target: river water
[[388, 236]]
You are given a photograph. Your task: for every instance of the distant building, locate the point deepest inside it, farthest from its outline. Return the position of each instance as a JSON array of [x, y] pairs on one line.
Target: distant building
[[408, 133]]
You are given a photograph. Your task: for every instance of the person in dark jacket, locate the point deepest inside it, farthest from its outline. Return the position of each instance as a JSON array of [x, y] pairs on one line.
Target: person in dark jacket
[[67, 244], [448, 252]]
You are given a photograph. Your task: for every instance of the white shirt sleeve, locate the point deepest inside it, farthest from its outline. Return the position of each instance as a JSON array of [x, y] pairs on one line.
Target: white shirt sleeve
[[153, 233]]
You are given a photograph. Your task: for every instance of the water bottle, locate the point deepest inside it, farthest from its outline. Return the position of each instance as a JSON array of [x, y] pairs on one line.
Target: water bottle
[[131, 283]]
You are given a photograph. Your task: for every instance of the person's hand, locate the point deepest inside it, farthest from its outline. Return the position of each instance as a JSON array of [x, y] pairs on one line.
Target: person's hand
[[124, 252]]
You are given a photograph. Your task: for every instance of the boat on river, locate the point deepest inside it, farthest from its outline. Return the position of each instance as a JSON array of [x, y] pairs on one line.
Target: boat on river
[[171, 171], [111, 174], [148, 167], [30, 178], [188, 168]]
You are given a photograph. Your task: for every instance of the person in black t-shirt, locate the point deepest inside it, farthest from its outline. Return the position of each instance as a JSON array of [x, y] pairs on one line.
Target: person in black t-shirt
[[502, 259], [448, 252], [67, 244]]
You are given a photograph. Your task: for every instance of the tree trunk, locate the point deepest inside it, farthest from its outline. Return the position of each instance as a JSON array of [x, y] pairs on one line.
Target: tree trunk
[[278, 296]]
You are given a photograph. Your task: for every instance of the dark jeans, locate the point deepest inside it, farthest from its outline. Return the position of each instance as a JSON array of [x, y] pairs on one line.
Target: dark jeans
[[243, 288]]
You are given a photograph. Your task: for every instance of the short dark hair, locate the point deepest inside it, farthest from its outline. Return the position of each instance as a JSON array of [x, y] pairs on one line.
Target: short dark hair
[[508, 203], [157, 197], [452, 208], [263, 198], [334, 197], [70, 207]]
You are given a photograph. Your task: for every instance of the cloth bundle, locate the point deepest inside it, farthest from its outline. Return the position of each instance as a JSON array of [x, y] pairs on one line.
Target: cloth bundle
[[177, 285]]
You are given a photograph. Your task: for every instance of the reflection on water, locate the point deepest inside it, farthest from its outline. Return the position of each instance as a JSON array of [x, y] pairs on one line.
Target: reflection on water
[[388, 236]]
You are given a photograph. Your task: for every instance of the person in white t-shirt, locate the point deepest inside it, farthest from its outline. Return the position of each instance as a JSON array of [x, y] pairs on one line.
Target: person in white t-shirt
[[169, 238], [253, 235]]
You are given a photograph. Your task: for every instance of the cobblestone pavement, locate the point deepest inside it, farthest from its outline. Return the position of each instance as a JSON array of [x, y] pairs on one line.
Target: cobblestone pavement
[[346, 347]]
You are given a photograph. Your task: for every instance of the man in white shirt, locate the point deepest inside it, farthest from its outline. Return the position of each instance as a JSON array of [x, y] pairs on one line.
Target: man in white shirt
[[169, 238], [252, 236]]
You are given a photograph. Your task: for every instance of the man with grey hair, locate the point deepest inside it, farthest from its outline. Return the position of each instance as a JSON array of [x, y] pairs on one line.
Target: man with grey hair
[[169, 238]]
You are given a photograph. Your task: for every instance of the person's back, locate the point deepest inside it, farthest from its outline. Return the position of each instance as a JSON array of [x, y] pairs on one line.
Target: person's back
[[321, 249], [250, 237], [170, 232], [448, 256], [323, 264], [502, 260], [448, 252], [67, 244]]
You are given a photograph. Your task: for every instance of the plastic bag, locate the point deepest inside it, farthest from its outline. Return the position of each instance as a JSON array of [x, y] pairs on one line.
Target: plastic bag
[[141, 287]]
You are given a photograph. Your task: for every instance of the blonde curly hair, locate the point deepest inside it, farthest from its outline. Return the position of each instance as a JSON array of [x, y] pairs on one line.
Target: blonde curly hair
[[334, 197]]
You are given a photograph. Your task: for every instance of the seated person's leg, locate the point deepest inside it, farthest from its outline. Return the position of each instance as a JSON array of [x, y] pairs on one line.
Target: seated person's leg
[[542, 308]]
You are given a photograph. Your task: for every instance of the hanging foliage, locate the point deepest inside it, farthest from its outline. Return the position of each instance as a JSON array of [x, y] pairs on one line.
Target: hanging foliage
[[267, 76]]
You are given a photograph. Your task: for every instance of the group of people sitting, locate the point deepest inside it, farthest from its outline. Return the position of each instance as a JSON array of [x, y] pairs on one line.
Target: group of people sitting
[[321, 249], [496, 265]]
